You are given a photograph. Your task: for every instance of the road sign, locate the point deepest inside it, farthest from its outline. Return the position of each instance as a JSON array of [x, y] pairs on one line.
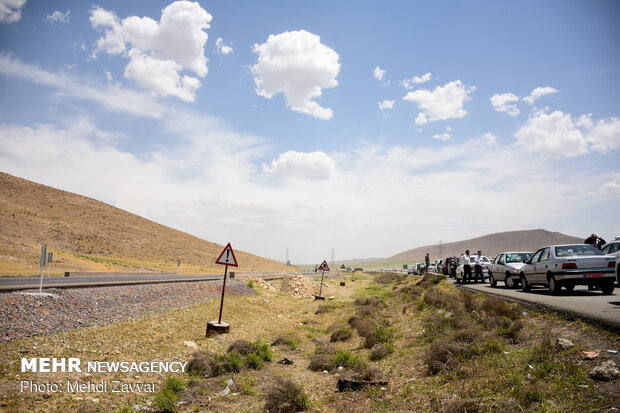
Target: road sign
[[49, 257], [227, 257], [43, 255], [323, 266]]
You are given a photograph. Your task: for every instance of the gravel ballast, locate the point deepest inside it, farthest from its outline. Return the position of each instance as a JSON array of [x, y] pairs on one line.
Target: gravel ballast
[[27, 313]]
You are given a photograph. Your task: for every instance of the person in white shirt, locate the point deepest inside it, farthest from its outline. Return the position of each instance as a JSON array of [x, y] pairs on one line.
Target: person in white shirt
[[478, 267], [465, 261]]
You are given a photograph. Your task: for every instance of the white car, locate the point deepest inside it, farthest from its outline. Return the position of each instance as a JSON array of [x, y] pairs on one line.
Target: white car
[[472, 259], [432, 268], [558, 266], [506, 267], [613, 248]]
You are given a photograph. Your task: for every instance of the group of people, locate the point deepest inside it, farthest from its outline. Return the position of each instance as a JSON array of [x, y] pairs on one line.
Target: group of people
[[466, 263]]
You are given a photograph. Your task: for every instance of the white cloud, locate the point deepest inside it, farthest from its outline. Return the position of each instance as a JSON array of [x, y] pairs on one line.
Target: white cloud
[[379, 73], [409, 83], [298, 65], [444, 136], [502, 103], [490, 138], [174, 43], [386, 104], [11, 10], [313, 166], [59, 17], [611, 187], [221, 48], [445, 102], [557, 135], [538, 93]]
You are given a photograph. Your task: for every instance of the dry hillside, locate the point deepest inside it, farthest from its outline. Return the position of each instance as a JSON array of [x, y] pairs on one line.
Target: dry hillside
[[88, 235], [492, 244]]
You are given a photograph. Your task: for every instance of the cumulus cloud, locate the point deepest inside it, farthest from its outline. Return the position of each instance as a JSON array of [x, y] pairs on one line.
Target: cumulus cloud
[[444, 136], [490, 138], [298, 65], [221, 48], [503, 103], [386, 104], [409, 83], [445, 102], [59, 17], [11, 10], [611, 187], [557, 135], [313, 166], [538, 93], [379, 73], [174, 43]]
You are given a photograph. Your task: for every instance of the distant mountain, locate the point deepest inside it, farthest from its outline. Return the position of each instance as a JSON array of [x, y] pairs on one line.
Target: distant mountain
[[87, 235], [491, 245]]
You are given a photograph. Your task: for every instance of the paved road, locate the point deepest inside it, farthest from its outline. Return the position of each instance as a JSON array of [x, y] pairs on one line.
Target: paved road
[[22, 283], [581, 303]]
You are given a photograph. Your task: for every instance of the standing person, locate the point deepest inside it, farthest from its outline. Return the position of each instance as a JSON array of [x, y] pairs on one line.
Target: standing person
[[478, 267], [427, 262], [591, 240], [465, 261]]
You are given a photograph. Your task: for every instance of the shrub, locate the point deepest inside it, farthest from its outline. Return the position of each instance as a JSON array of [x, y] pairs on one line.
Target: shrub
[[241, 346], [254, 361], [437, 298], [468, 299], [366, 372], [262, 348], [321, 362], [379, 335], [323, 347], [231, 362], [204, 364], [286, 396], [363, 326], [342, 334], [290, 342], [345, 358], [166, 401], [388, 277], [251, 284], [324, 308], [175, 384], [246, 386], [498, 307], [445, 355], [380, 351]]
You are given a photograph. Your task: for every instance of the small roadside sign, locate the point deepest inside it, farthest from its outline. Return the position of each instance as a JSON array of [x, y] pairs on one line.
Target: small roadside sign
[[323, 266], [227, 257]]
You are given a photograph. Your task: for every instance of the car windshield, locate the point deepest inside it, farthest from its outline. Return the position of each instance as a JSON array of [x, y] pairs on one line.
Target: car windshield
[[518, 257], [576, 250]]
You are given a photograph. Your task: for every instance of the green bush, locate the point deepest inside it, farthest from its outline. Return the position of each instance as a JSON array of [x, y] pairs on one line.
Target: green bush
[[175, 384], [286, 396], [263, 350], [254, 361], [345, 358], [231, 362], [342, 334], [166, 401]]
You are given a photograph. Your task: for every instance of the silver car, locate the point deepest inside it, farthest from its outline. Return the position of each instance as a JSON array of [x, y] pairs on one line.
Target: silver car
[[460, 271], [613, 248], [566, 266], [506, 267]]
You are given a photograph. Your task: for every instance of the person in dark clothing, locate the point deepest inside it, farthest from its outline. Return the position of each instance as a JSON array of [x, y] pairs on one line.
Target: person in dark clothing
[[478, 268], [591, 240], [427, 262]]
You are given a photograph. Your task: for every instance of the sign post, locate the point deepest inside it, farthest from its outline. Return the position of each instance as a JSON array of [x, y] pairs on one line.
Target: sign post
[[227, 257], [43, 256], [323, 267], [49, 263], [178, 267]]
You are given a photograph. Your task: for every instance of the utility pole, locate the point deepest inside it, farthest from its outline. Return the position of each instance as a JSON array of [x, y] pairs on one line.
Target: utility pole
[[440, 249], [333, 257]]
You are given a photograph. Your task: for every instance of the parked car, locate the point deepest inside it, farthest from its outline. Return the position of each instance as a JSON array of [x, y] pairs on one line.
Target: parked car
[[439, 266], [452, 266], [432, 268], [472, 260], [558, 266], [613, 248], [412, 270], [506, 267]]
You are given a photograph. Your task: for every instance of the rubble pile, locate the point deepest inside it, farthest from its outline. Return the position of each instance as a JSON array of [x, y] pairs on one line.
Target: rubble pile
[[261, 283], [300, 286]]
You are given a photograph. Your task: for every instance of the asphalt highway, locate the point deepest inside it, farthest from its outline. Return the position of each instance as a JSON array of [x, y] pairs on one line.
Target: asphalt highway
[[23, 283], [581, 303]]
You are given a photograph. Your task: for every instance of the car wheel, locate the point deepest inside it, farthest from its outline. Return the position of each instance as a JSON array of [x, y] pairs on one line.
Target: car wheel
[[554, 287], [509, 281], [492, 280], [570, 287], [607, 287], [525, 286]]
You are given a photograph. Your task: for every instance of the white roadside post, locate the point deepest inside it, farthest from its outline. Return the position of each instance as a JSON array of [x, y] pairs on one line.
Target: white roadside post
[[43, 256], [227, 257]]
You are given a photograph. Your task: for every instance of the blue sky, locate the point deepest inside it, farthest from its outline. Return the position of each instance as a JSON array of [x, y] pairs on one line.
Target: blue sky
[[366, 127]]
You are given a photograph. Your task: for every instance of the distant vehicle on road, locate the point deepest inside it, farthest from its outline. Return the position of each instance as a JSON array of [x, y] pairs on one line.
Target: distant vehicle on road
[[506, 267], [613, 248], [432, 268], [558, 266], [472, 260]]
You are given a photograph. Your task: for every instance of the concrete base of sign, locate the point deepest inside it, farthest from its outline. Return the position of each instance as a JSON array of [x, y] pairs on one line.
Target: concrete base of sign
[[318, 297], [213, 327], [342, 283]]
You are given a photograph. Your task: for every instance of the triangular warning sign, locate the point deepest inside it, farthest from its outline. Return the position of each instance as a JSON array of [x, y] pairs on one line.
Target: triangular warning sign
[[227, 257], [323, 266]]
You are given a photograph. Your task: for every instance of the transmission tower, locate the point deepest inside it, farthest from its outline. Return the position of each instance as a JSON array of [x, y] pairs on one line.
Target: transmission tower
[[440, 249], [333, 261]]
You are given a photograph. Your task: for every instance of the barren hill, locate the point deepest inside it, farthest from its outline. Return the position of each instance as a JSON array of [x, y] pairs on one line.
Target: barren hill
[[88, 235], [492, 244]]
